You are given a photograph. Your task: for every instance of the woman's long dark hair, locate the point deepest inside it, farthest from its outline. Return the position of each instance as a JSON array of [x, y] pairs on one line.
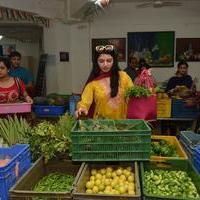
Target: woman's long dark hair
[[5, 61], [114, 78]]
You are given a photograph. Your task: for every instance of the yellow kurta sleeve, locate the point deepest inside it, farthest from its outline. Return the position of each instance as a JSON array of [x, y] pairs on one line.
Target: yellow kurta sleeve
[[86, 97], [126, 80]]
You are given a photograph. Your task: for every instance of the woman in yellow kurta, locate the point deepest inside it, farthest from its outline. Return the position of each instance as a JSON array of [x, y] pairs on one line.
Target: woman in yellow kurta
[[105, 87]]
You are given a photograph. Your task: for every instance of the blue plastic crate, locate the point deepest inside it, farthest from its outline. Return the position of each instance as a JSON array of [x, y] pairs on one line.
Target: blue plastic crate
[[41, 110], [197, 164], [73, 100], [190, 138], [180, 109], [188, 150], [197, 153], [20, 161]]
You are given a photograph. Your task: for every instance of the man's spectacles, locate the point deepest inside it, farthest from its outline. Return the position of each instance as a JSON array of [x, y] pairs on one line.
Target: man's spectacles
[[102, 48]]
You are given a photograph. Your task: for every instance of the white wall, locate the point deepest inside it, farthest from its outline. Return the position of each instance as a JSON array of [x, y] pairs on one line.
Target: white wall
[[29, 52], [67, 77], [80, 55], [59, 74], [122, 18]]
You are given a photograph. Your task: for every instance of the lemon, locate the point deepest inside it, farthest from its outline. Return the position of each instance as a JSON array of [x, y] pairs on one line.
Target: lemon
[[131, 192], [119, 172], [101, 187], [93, 172], [126, 173], [122, 189], [108, 188], [103, 171], [108, 174], [114, 183], [95, 189], [89, 191], [129, 169], [109, 169], [114, 174], [107, 181], [89, 184], [122, 177], [92, 178], [97, 182], [131, 178], [98, 176], [131, 185]]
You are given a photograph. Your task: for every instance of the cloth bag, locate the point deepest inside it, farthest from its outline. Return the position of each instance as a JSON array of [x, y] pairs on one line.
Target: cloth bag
[[142, 108]]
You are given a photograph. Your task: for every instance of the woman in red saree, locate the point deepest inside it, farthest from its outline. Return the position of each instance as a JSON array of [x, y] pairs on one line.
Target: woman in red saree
[[11, 89]]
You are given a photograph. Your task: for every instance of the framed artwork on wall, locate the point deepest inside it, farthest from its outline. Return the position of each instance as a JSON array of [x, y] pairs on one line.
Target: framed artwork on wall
[[119, 43], [64, 56], [188, 49], [157, 48]]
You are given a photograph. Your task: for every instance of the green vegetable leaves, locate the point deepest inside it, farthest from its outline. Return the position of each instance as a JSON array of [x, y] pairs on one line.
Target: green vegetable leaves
[[51, 139], [137, 92], [163, 148]]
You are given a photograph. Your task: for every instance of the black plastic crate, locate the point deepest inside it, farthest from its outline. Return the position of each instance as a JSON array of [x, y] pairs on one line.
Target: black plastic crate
[[23, 190]]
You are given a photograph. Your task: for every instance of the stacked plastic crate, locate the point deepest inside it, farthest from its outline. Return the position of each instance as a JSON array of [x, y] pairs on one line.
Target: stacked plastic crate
[[191, 143], [197, 158], [19, 160]]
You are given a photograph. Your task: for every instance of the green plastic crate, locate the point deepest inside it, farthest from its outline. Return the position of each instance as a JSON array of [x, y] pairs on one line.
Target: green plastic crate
[[183, 165], [111, 145]]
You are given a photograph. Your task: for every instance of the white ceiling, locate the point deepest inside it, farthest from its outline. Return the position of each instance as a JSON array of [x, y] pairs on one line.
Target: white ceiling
[[66, 11]]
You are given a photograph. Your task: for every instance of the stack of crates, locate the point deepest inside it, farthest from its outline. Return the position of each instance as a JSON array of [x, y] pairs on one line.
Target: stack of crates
[[163, 105], [19, 160], [110, 144], [197, 158], [121, 144], [191, 143]]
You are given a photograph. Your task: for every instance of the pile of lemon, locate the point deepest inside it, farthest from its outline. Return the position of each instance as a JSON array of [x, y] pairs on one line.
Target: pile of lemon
[[109, 181]]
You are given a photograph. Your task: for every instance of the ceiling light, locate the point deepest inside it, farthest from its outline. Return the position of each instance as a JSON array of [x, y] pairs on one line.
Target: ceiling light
[[1, 37]]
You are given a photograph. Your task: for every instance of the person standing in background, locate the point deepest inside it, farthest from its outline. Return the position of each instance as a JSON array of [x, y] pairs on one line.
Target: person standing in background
[[181, 78], [131, 69], [17, 70], [144, 77]]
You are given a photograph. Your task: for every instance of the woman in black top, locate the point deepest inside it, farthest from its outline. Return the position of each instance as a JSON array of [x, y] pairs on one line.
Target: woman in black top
[[181, 78]]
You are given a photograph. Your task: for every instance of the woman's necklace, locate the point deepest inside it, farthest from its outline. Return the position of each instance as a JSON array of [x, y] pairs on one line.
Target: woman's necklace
[[4, 79]]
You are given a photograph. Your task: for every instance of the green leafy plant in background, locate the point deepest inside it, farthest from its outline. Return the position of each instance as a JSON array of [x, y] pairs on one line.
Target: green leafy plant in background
[[137, 92], [51, 139], [14, 130]]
